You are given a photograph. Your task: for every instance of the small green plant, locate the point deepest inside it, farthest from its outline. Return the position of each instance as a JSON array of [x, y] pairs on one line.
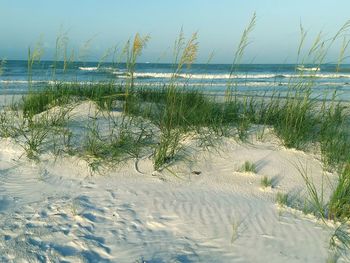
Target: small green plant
[[93, 144], [7, 121], [34, 134], [266, 182], [332, 257], [282, 199], [126, 138], [167, 148], [248, 167], [333, 136], [340, 240], [236, 224], [74, 208], [339, 203], [315, 202]]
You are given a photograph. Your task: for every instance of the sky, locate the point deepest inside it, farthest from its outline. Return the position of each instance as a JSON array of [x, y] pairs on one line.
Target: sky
[[219, 24]]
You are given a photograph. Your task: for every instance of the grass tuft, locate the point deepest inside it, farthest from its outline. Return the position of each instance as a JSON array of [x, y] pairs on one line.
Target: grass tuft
[[282, 199], [248, 167], [266, 182]]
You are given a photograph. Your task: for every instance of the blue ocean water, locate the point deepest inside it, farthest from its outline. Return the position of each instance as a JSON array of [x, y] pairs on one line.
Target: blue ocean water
[[211, 78]]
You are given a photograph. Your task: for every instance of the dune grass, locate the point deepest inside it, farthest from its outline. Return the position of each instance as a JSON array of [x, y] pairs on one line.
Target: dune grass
[[60, 94], [248, 167], [282, 199], [177, 111], [339, 203], [266, 182], [124, 140], [297, 119]]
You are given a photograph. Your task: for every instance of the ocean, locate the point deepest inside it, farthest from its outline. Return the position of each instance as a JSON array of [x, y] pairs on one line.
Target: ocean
[[211, 78]]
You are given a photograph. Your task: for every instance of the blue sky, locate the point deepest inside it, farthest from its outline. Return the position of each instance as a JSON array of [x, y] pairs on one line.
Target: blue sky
[[219, 24]]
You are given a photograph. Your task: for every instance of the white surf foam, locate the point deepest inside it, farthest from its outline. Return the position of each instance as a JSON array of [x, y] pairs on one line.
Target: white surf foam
[[303, 68], [88, 68], [201, 76], [238, 76]]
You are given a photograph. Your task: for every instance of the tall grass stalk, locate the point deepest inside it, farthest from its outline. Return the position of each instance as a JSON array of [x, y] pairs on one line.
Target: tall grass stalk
[[339, 204], [243, 44], [34, 55], [173, 123], [133, 51]]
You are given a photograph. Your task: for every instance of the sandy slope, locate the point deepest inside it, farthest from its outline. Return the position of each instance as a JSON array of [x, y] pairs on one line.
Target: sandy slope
[[56, 211], [6, 100]]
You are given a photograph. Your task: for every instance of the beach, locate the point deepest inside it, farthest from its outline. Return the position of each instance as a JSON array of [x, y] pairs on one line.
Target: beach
[[203, 209], [113, 154]]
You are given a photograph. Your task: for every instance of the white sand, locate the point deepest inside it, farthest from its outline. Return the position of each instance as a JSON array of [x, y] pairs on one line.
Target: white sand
[[55, 211], [9, 99]]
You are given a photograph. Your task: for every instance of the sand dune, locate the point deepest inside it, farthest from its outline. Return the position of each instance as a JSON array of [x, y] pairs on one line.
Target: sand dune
[[57, 211]]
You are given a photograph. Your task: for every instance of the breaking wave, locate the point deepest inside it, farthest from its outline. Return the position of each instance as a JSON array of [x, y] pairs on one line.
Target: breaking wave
[[150, 75]]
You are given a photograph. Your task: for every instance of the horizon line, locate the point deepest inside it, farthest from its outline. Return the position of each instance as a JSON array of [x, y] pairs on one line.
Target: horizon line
[[171, 63]]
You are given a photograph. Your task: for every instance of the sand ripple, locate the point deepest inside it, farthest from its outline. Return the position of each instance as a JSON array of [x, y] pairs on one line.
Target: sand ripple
[[220, 215]]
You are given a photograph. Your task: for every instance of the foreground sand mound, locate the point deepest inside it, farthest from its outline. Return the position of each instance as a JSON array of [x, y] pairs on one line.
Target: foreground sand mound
[[217, 214]]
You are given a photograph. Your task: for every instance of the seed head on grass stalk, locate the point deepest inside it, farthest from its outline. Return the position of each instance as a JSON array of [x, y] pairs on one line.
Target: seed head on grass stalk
[[189, 53], [107, 54], [320, 47], [83, 53], [133, 51], [34, 56], [341, 57], [243, 43], [61, 52], [303, 35]]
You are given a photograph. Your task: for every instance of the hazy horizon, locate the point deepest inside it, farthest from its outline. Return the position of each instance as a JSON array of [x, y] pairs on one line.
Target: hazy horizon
[[168, 63]]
